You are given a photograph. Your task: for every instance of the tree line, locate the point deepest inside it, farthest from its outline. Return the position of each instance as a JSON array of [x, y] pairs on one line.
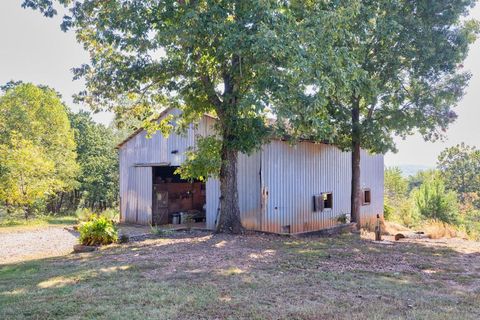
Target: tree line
[[350, 72], [450, 193], [53, 160]]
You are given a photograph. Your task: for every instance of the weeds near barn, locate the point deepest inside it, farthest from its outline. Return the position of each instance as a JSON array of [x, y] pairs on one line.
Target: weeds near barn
[[187, 275]]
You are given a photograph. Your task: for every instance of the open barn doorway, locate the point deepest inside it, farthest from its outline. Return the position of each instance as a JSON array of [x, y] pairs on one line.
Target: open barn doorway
[[177, 201]]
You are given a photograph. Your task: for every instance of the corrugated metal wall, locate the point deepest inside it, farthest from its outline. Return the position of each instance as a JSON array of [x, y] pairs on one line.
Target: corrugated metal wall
[[372, 177], [213, 199], [137, 156], [292, 175], [276, 185], [249, 193]]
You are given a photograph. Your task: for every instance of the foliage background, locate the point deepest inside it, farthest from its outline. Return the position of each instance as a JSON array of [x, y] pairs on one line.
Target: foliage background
[[53, 161], [449, 194]]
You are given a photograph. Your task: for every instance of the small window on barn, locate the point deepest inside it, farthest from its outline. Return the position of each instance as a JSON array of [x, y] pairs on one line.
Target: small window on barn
[[327, 198], [322, 201], [367, 197]]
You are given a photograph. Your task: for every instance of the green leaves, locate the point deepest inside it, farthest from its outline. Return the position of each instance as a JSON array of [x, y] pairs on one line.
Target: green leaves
[[37, 146], [28, 175], [204, 161], [401, 60], [460, 167], [98, 231], [98, 161], [199, 56], [433, 201]]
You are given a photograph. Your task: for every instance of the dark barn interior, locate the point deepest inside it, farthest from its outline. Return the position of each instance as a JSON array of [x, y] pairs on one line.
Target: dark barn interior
[[176, 201]]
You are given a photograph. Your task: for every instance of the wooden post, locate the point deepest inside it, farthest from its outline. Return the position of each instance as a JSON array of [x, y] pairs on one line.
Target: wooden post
[[378, 231]]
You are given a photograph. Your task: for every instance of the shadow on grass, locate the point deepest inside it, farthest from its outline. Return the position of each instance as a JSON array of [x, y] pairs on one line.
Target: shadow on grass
[[192, 275]]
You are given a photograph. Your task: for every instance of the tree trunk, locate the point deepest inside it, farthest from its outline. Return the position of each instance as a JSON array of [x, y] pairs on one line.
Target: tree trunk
[[228, 220], [26, 212], [356, 200], [59, 203]]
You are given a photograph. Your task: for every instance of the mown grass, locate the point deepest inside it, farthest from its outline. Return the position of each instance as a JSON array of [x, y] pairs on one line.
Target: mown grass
[[38, 221], [201, 276]]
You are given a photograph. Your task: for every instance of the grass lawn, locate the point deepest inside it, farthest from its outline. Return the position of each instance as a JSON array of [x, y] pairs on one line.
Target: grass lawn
[[204, 276], [9, 225]]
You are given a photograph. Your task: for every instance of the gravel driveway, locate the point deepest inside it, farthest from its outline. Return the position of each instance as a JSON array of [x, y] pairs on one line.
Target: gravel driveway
[[22, 245]]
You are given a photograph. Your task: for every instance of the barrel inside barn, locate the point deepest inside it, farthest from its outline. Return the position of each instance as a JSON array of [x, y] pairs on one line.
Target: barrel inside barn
[[176, 200]]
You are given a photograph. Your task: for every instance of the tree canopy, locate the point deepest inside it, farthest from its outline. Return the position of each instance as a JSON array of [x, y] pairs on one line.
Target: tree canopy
[[98, 161], [38, 155], [460, 167], [223, 57], [392, 68], [355, 73]]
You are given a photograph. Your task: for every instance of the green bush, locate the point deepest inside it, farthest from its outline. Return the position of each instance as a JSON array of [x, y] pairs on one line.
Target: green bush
[[434, 202], [98, 231], [401, 211], [161, 232], [388, 210], [111, 214], [85, 214], [472, 224]]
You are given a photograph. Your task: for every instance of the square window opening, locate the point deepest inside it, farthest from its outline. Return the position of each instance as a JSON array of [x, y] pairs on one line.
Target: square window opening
[[327, 199], [322, 201], [367, 197]]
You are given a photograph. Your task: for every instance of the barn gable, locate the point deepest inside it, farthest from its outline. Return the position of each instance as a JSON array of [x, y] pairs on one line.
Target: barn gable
[[139, 154]]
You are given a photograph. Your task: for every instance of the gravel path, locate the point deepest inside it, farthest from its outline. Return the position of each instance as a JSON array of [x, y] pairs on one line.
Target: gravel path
[[22, 245]]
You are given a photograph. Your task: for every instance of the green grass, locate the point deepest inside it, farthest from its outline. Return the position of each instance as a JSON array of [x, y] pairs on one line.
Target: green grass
[[38, 221], [247, 277]]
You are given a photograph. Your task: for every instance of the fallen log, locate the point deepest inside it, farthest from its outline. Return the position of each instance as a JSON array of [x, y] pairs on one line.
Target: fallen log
[[411, 235]]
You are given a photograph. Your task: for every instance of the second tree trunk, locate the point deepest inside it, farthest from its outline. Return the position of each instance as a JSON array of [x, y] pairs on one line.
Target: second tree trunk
[[229, 218]]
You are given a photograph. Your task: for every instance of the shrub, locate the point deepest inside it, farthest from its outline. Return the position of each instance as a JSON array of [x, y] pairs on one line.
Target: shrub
[[472, 224], [98, 231], [407, 215], [161, 232], [388, 210], [84, 214], [434, 202], [111, 214], [402, 212]]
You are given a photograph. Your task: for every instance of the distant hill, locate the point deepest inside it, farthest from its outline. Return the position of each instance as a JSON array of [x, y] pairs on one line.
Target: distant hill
[[412, 169]]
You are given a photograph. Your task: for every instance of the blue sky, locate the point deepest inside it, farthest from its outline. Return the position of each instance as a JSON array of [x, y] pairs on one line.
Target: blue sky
[[34, 49]]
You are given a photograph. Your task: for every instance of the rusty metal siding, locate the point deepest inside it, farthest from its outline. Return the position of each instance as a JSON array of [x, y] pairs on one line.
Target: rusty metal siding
[[293, 174], [372, 177], [276, 185]]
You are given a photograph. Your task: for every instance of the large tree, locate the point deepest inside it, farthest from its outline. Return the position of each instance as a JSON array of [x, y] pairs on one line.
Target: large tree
[[38, 156], [460, 167], [225, 57], [393, 69], [98, 161]]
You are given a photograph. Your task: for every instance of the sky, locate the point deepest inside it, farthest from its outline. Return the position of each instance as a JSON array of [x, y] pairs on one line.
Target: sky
[[34, 49]]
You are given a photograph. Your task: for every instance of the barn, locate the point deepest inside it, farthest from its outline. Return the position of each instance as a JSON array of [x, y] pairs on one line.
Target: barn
[[282, 188]]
